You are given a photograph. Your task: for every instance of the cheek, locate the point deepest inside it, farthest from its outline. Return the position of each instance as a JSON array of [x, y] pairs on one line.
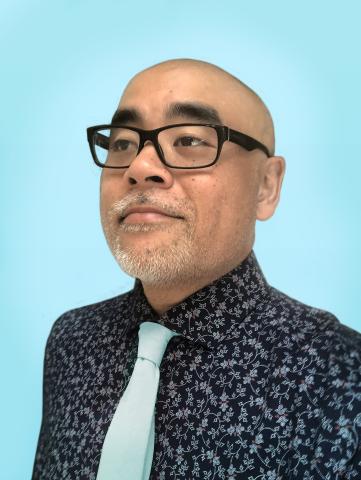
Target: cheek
[[104, 197], [107, 199], [110, 189], [211, 202], [226, 208]]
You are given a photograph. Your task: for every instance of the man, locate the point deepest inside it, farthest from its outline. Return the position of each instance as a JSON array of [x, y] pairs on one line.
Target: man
[[255, 385]]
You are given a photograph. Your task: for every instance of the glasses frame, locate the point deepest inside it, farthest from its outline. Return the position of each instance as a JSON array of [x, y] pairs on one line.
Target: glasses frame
[[223, 133]]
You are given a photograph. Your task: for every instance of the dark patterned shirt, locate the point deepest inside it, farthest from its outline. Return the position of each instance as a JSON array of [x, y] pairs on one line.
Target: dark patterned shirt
[[258, 386]]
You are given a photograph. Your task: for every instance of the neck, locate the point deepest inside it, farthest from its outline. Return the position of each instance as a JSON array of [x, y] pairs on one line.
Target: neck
[[162, 297]]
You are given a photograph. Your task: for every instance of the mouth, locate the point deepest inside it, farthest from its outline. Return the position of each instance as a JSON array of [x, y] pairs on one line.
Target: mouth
[[144, 214]]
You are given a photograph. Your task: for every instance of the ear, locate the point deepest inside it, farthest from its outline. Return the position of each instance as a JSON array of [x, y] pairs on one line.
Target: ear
[[272, 174]]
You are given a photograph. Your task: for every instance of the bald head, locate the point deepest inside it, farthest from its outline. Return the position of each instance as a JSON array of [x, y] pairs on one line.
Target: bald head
[[249, 112]]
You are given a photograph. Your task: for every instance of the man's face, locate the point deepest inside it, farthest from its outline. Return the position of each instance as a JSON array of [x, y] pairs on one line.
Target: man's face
[[182, 225]]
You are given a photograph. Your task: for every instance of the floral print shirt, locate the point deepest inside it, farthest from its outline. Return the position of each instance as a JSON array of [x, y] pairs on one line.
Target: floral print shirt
[[258, 386]]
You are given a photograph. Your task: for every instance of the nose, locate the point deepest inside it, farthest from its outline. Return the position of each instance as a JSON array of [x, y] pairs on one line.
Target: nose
[[147, 170]]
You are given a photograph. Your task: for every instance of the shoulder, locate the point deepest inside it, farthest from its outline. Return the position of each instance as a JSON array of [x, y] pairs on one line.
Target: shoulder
[[318, 341], [87, 320], [306, 323]]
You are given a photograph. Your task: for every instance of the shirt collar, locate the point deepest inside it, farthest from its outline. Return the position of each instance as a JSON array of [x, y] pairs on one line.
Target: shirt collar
[[213, 314]]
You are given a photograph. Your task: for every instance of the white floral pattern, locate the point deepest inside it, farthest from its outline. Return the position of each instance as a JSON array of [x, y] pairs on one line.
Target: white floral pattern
[[258, 386]]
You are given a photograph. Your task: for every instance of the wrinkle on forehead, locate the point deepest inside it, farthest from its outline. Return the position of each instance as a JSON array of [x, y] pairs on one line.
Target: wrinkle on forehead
[[235, 92]]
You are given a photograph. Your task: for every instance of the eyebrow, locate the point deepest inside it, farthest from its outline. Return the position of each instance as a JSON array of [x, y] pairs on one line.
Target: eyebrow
[[187, 110], [126, 115], [193, 111]]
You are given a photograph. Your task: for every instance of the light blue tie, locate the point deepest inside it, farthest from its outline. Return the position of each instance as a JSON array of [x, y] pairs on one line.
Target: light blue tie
[[127, 452]]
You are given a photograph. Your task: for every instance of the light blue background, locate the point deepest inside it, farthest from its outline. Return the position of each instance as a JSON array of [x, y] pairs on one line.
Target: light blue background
[[63, 67]]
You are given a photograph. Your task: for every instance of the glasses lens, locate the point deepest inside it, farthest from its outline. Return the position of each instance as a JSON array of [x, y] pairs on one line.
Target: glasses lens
[[189, 146], [116, 147]]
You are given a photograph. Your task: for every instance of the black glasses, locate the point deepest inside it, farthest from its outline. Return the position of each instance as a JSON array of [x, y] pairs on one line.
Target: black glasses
[[183, 145]]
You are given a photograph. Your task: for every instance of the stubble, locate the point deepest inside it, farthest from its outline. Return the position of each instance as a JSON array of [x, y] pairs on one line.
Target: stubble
[[166, 261]]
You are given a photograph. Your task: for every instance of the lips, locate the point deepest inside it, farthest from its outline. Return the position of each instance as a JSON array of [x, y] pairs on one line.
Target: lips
[[144, 214]]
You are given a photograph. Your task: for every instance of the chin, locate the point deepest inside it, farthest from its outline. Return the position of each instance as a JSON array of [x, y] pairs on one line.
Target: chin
[[166, 263]]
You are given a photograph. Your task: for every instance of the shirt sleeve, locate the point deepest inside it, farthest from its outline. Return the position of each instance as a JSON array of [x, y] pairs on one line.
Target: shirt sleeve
[[44, 440]]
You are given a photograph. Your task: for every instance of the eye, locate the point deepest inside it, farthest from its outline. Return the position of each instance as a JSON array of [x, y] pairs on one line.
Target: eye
[[121, 145], [189, 141]]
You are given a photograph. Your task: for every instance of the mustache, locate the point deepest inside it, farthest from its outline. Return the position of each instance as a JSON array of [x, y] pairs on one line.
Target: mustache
[[176, 209]]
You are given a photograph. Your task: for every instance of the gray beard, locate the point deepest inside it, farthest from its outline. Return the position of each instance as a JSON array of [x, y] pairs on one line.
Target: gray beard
[[162, 265]]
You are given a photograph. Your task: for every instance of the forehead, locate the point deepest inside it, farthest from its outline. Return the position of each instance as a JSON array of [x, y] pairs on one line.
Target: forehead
[[152, 92]]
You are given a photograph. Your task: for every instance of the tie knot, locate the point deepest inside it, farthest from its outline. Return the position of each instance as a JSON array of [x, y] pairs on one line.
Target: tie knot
[[153, 340]]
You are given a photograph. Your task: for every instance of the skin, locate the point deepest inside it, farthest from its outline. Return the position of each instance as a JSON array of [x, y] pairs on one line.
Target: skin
[[218, 206]]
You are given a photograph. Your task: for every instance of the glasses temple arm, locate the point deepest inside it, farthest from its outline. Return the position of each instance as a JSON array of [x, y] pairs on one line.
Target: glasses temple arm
[[246, 141], [101, 140]]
